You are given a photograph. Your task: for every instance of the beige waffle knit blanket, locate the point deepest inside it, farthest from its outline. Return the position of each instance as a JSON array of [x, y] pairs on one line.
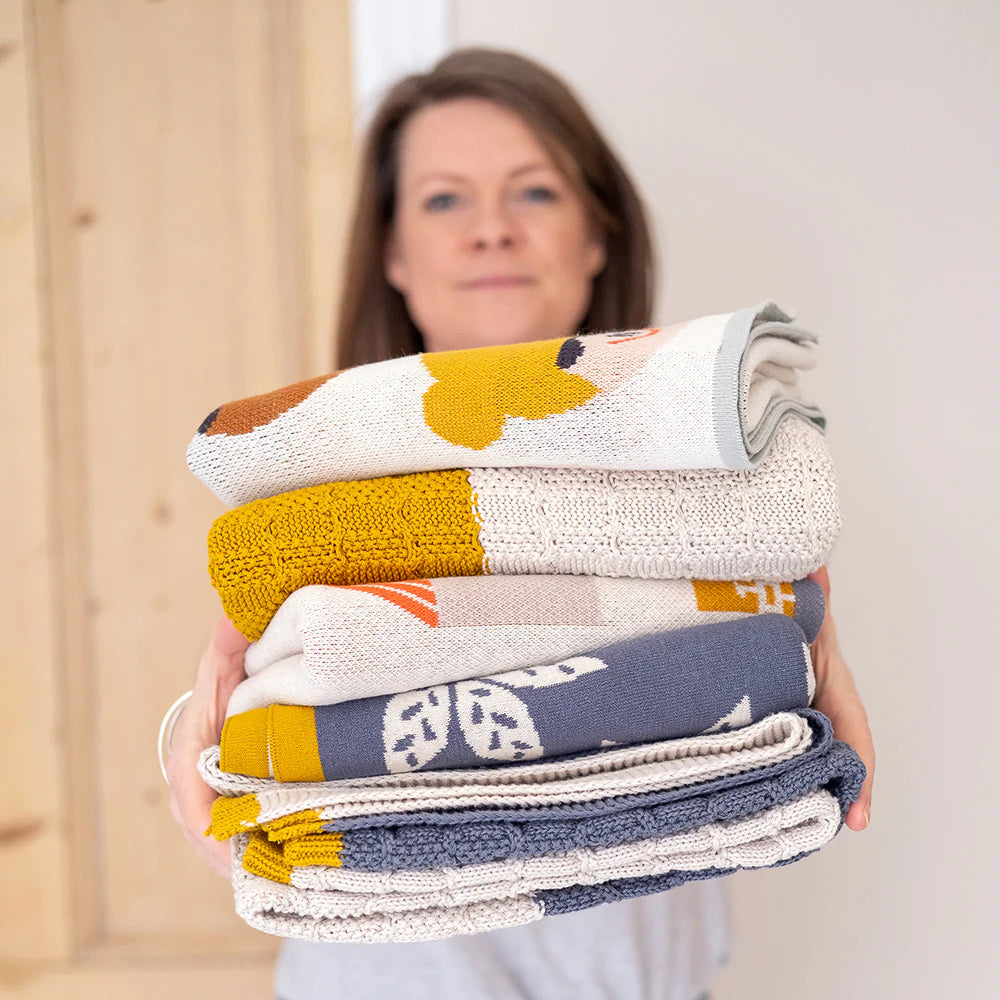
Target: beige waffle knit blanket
[[776, 522]]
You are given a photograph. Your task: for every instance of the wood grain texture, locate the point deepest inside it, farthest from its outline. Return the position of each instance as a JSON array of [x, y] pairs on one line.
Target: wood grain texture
[[167, 247], [33, 861]]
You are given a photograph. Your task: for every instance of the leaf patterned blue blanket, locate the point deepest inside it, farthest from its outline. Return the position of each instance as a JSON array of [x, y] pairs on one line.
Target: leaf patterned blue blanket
[[702, 679]]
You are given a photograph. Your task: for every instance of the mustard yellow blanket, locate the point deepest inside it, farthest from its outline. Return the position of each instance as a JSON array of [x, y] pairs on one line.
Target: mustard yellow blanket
[[776, 522]]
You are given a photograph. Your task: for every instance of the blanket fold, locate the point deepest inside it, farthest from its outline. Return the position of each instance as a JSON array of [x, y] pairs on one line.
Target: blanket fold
[[295, 878], [776, 522], [657, 687], [248, 803], [330, 644], [475, 836], [705, 394], [763, 839], [529, 625]]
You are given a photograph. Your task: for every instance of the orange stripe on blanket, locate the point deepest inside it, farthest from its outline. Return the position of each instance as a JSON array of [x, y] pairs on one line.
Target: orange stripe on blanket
[[422, 588], [429, 616]]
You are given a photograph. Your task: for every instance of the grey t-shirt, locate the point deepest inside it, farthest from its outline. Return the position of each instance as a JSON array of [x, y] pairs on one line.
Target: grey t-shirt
[[666, 946]]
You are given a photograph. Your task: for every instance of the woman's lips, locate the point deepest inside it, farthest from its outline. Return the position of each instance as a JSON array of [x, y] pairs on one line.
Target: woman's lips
[[498, 281]]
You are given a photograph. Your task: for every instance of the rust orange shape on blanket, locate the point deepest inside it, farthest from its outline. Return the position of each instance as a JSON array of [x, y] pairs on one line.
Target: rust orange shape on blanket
[[245, 415]]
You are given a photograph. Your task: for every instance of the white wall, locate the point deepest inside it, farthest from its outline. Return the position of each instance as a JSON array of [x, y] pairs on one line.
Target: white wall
[[842, 160]]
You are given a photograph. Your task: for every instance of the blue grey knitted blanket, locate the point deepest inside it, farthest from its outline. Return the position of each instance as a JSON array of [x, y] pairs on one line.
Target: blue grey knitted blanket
[[510, 871], [472, 836], [705, 678]]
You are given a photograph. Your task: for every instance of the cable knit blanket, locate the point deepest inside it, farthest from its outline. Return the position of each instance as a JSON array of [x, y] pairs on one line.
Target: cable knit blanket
[[777, 806], [248, 803], [705, 394], [440, 839], [331, 644], [778, 521], [509, 894], [656, 687]]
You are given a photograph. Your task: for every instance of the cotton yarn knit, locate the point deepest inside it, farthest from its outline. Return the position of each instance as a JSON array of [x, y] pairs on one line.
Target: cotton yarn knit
[[794, 741], [405, 761], [331, 644], [597, 798], [656, 687], [290, 912], [351, 892], [308, 807], [510, 893], [290, 881], [705, 394], [776, 522], [465, 837]]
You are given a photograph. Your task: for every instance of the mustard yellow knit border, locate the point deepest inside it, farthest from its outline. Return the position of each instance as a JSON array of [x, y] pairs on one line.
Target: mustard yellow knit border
[[276, 741], [238, 814], [317, 849], [382, 530], [276, 862], [263, 858]]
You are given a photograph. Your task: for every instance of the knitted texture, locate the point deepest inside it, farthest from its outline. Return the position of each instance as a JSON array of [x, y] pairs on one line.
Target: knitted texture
[[665, 685], [411, 906], [475, 837], [811, 737], [331, 644], [625, 460], [296, 883], [279, 909], [776, 522], [706, 394], [249, 803], [752, 841]]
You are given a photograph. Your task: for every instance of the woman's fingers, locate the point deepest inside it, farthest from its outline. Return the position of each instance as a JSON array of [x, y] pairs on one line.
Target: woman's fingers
[[838, 699], [822, 577], [191, 799], [219, 671], [199, 726]]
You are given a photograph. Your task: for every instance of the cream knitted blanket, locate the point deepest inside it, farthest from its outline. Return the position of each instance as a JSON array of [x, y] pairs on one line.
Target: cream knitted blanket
[[333, 644], [251, 803], [776, 522], [759, 806], [705, 394], [328, 904], [744, 840]]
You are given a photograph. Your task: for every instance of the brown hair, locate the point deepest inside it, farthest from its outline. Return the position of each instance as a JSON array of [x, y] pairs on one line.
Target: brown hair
[[373, 323]]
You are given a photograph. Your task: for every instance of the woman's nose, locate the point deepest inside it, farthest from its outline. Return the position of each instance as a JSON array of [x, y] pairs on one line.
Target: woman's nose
[[493, 227], [502, 240]]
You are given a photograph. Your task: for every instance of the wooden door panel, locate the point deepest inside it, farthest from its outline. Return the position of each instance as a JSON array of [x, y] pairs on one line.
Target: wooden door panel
[[170, 235]]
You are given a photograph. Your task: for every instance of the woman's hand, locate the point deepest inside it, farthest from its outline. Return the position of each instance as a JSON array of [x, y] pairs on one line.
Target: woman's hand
[[837, 698], [199, 726]]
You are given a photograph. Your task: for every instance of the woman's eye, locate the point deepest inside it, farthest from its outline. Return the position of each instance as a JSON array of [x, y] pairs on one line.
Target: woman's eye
[[439, 201], [539, 194]]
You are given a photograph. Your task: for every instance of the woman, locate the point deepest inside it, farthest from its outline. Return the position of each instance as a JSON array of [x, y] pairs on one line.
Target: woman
[[491, 211]]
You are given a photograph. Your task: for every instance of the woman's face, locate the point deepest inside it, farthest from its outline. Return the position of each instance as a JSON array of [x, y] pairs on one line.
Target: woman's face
[[489, 243]]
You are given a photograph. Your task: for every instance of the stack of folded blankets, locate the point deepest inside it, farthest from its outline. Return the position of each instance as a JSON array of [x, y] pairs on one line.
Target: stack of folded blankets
[[530, 629]]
